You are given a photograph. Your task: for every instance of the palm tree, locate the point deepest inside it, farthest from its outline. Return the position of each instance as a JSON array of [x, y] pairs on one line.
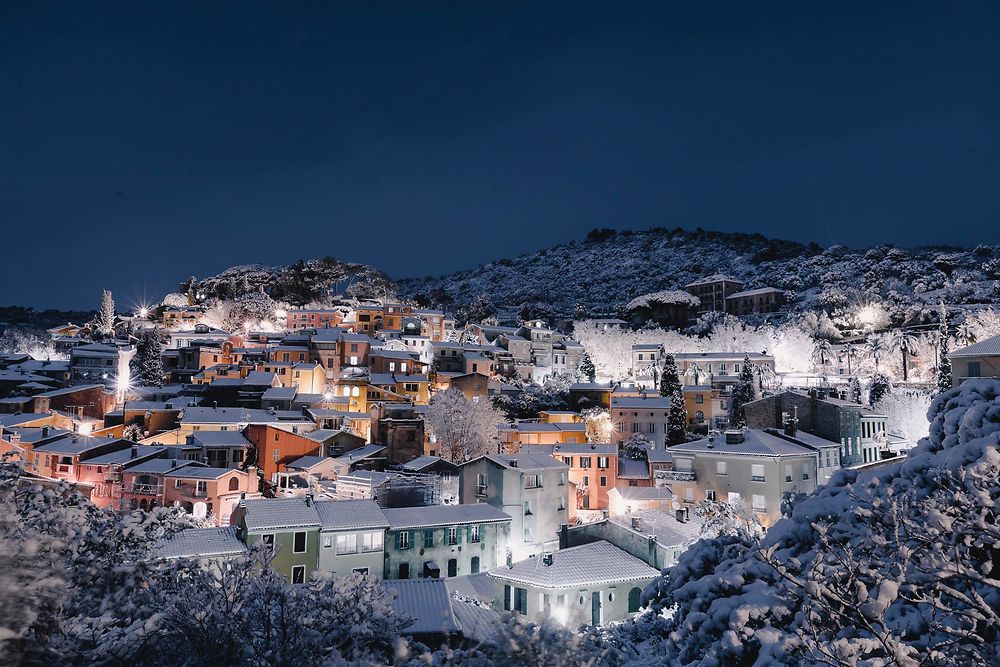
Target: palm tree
[[964, 335], [905, 342], [875, 347], [822, 350]]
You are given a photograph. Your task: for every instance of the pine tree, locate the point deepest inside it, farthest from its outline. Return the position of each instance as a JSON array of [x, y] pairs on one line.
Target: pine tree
[[855, 389], [880, 387], [670, 383], [587, 369], [105, 322], [676, 420], [147, 364], [944, 363], [743, 393]]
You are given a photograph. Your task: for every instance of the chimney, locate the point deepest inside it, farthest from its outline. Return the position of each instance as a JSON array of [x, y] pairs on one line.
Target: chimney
[[309, 500], [681, 515], [563, 536], [547, 559], [636, 523], [45, 431], [513, 463], [135, 452]]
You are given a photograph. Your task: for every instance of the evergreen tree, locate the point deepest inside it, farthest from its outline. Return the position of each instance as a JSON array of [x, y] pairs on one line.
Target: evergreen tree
[[944, 365], [676, 420], [587, 370], [743, 393], [147, 364], [855, 389], [880, 388], [105, 322], [670, 383]]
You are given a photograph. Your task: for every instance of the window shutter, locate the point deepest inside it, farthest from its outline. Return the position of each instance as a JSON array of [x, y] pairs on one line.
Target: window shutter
[[397, 542], [506, 597], [458, 534]]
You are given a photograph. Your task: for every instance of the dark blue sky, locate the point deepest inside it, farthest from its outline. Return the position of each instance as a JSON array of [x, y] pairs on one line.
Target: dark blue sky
[[144, 142]]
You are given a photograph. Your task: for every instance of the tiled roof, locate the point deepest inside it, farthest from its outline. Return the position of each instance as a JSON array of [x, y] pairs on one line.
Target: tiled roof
[[421, 462], [268, 513], [442, 515], [201, 543], [426, 602], [632, 469], [350, 514], [663, 524], [361, 453], [125, 455], [984, 348], [586, 565]]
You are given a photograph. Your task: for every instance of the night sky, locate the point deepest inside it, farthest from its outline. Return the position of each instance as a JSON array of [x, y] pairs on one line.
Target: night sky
[[144, 142]]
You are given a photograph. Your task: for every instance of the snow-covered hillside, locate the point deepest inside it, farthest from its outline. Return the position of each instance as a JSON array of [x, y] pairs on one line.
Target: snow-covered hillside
[[608, 269]]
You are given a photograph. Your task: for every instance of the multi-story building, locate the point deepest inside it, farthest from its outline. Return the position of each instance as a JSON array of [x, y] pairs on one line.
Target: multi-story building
[[644, 414], [99, 362], [753, 467], [860, 430], [319, 318], [532, 488], [979, 360], [445, 540], [761, 300], [712, 291]]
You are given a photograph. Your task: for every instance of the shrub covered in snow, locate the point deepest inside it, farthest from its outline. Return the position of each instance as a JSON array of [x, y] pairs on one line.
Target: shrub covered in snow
[[898, 565]]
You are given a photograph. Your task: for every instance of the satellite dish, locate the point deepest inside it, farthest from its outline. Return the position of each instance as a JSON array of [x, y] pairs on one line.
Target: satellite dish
[[200, 510]]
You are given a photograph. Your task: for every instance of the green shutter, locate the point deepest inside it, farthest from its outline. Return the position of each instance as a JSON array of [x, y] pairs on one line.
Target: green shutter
[[397, 542], [506, 597], [458, 534], [468, 534]]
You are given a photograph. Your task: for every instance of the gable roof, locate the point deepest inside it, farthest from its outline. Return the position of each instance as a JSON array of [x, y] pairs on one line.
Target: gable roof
[[984, 348], [402, 518], [350, 514], [200, 543], [426, 602], [271, 513]]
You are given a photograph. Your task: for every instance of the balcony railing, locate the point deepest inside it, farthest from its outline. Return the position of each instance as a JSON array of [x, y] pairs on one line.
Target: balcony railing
[[144, 489], [677, 475]]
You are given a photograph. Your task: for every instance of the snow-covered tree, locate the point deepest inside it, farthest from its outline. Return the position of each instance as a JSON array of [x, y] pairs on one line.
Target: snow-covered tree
[[893, 566], [587, 371], [598, 423], [462, 428], [905, 343], [728, 518], [132, 432], [636, 447], [479, 310], [670, 383], [879, 388], [147, 364], [104, 324], [906, 413], [743, 393], [676, 420]]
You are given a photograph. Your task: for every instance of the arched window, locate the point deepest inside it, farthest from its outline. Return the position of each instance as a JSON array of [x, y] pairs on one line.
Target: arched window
[[234, 484], [633, 600]]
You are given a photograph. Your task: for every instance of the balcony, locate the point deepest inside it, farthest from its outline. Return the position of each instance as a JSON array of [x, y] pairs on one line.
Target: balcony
[[144, 489], [676, 475]]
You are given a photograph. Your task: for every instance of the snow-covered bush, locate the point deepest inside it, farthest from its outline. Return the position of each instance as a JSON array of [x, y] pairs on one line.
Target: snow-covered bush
[[896, 565]]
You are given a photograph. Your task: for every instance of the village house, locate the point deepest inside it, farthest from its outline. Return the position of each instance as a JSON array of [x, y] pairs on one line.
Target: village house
[[979, 360], [752, 467], [533, 489], [593, 583], [713, 290]]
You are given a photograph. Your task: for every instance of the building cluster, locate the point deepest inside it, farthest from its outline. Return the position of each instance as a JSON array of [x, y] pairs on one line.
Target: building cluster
[[313, 444]]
